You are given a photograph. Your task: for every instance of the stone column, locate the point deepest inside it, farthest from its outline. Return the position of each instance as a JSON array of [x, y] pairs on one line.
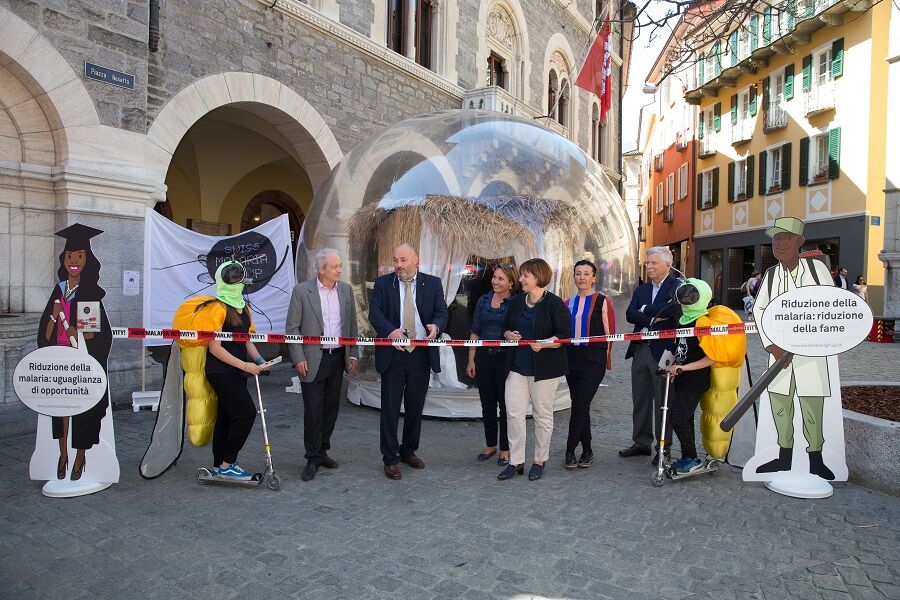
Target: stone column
[[890, 256], [411, 7]]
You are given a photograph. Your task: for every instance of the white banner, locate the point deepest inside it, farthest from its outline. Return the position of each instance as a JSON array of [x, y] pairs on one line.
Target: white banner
[[180, 263]]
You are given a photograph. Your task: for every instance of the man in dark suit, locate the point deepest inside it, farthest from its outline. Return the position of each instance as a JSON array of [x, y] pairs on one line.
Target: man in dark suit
[[840, 278], [647, 303], [405, 304], [322, 306]]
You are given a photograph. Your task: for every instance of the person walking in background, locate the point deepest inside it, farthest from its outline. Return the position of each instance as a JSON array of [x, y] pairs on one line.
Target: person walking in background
[[592, 315], [646, 389], [861, 289], [322, 306], [487, 365], [840, 279], [405, 304], [534, 370], [748, 291]]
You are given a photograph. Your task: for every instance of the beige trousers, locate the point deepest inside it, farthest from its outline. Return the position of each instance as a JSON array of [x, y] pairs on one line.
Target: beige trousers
[[519, 391]]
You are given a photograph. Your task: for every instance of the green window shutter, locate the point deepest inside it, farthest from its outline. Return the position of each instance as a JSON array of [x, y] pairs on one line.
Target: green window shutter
[[700, 127], [837, 58], [748, 184], [762, 173], [807, 72], [792, 13], [733, 47], [834, 153], [731, 182], [717, 59], [699, 191], [804, 160], [786, 166], [765, 93], [701, 68], [715, 190], [717, 116], [752, 100], [734, 109], [789, 81], [767, 25], [754, 33]]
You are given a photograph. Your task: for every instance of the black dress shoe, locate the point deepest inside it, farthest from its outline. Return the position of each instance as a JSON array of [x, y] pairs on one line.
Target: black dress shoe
[[634, 451], [536, 472], [486, 455], [327, 462], [510, 471], [571, 463], [309, 472], [586, 459], [782, 463], [392, 472]]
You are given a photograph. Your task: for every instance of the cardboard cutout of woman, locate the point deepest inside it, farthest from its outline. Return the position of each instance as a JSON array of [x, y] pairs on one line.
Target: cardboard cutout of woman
[[89, 434]]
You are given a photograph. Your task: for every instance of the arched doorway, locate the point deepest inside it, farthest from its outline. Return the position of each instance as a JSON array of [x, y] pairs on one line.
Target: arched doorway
[[241, 146], [269, 205], [233, 171]]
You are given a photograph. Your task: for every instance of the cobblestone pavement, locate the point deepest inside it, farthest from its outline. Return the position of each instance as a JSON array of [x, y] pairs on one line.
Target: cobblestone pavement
[[450, 531]]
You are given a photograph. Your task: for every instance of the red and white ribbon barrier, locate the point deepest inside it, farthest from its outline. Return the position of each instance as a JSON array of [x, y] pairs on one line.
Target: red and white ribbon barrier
[[139, 333]]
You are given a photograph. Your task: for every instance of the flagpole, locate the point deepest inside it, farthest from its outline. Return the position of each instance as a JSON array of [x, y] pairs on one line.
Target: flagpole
[[585, 51]]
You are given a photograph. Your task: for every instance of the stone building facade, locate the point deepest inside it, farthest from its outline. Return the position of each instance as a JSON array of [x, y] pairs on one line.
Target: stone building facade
[[238, 111]]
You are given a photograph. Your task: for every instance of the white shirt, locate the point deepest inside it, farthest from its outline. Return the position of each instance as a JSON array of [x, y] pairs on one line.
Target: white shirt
[[656, 287], [420, 329]]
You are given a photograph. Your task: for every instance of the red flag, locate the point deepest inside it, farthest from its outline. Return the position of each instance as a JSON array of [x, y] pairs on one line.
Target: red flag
[[595, 72]]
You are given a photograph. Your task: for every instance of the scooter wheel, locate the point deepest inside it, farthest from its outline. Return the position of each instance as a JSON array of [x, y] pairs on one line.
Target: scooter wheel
[[656, 479], [274, 483]]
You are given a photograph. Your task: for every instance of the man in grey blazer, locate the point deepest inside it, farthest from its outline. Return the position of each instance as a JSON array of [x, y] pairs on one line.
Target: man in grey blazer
[[322, 306]]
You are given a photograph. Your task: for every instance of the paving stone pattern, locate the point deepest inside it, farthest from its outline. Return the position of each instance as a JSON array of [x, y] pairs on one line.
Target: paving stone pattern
[[450, 531]]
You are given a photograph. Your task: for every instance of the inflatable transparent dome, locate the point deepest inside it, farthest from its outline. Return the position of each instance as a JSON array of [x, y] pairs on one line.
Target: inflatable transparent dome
[[470, 190]]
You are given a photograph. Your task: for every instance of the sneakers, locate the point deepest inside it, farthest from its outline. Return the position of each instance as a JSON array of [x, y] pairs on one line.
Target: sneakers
[[571, 463], [686, 465], [586, 460], [234, 472]]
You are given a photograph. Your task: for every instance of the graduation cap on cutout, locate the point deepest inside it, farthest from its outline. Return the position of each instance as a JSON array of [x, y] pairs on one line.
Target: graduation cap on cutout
[[78, 236]]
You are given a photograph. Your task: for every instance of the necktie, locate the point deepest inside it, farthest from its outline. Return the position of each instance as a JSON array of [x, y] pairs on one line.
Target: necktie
[[409, 312]]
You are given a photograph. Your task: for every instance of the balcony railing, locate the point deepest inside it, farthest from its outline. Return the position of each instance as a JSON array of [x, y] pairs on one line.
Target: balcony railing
[[658, 162], [820, 98], [741, 132], [496, 99], [499, 100], [681, 140], [706, 146], [776, 116]]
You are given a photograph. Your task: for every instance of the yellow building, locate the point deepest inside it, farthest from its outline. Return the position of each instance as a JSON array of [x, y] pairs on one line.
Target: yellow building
[[793, 114]]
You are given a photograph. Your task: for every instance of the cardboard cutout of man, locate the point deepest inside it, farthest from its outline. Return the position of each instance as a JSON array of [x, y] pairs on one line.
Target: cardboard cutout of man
[[807, 377], [80, 447]]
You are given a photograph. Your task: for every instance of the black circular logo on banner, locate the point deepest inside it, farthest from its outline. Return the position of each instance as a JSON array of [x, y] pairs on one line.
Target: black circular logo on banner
[[253, 250]]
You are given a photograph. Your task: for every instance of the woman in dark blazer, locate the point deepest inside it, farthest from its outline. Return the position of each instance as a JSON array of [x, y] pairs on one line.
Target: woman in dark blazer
[[592, 315], [533, 370]]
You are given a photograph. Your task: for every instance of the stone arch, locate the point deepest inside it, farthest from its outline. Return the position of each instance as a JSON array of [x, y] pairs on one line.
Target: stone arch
[[518, 49], [56, 98], [558, 56], [316, 148]]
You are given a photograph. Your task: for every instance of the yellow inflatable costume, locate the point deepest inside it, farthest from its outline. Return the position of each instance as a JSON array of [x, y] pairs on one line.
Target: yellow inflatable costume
[[200, 313], [725, 377]]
